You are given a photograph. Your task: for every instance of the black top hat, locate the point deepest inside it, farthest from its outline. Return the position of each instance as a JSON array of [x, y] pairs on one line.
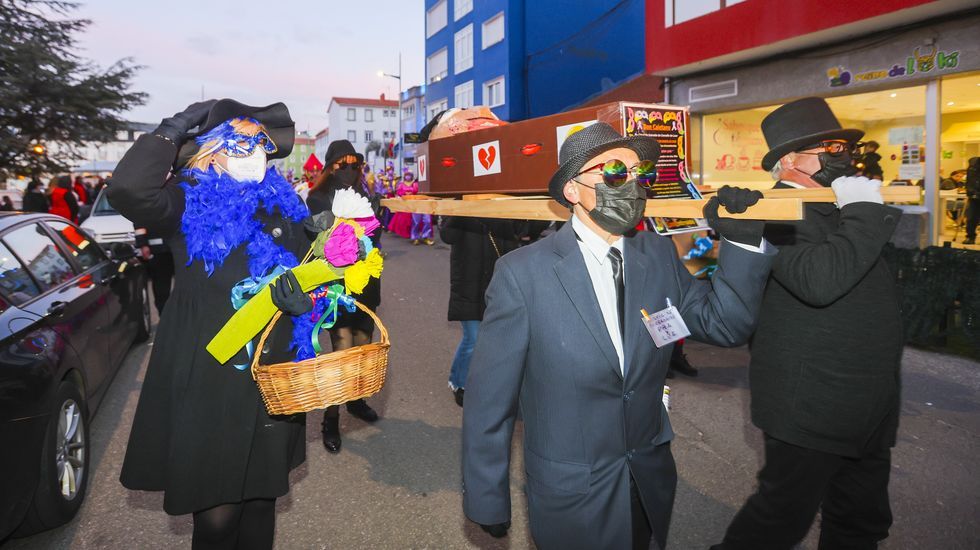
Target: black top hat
[[278, 124], [339, 149], [589, 142], [803, 122]]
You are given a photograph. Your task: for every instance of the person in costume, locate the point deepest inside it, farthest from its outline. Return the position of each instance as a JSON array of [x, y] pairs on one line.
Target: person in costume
[[201, 433], [342, 170], [825, 374], [421, 223]]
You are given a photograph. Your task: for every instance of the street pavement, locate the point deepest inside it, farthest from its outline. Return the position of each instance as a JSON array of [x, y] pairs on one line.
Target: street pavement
[[396, 483]]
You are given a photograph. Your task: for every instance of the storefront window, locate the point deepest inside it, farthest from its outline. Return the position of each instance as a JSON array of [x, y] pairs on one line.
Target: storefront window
[[960, 141], [733, 145]]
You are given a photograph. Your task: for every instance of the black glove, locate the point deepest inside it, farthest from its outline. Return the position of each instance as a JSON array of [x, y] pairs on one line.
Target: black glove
[[736, 200], [175, 128], [289, 297], [497, 530]]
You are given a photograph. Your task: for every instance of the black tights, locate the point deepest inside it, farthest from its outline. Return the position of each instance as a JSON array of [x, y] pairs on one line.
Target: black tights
[[344, 338], [247, 525]]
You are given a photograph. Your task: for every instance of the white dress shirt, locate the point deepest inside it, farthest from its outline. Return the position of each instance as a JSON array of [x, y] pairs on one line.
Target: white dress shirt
[[595, 251]]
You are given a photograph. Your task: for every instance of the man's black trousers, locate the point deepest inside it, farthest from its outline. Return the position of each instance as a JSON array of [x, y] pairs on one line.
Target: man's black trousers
[[795, 482]]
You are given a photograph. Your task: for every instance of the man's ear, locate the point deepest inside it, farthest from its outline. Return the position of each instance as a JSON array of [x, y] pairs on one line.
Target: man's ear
[[788, 161], [570, 191]]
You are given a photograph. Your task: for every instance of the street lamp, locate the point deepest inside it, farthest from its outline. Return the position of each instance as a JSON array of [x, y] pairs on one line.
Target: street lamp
[[382, 74]]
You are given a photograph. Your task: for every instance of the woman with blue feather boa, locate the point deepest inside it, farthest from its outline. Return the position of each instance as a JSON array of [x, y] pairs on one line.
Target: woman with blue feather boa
[[201, 433]]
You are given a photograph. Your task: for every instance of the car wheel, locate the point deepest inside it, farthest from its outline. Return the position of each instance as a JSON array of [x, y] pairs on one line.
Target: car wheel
[[143, 331], [64, 464]]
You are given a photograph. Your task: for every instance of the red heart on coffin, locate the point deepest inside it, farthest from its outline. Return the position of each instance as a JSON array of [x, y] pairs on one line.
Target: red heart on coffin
[[487, 156], [421, 168]]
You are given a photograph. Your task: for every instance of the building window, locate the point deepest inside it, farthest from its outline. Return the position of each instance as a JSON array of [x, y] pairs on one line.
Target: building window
[[352, 136], [678, 12], [463, 49], [461, 8], [437, 107], [493, 92], [437, 65], [493, 30], [368, 136], [368, 115], [408, 111], [352, 114], [464, 95], [435, 19]]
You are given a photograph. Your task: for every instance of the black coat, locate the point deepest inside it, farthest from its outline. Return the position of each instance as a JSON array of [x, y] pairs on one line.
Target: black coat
[[201, 432], [35, 201], [973, 179], [471, 260], [825, 369]]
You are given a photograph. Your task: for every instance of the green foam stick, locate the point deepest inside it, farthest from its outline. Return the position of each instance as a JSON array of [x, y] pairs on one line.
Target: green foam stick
[[249, 321]]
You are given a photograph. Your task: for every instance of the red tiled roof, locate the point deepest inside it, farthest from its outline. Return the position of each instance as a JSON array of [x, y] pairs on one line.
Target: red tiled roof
[[364, 101]]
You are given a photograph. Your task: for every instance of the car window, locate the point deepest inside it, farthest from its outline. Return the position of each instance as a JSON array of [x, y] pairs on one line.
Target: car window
[[15, 283], [36, 249], [102, 206], [85, 250]]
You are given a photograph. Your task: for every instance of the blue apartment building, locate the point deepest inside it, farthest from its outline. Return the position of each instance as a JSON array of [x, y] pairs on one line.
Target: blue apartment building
[[413, 118], [529, 58]]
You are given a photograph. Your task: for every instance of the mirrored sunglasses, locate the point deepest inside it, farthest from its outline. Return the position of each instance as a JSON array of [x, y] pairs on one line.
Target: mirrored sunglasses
[[615, 173], [832, 147]]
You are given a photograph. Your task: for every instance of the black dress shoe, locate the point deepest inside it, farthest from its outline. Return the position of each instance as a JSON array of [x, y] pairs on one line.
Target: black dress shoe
[[682, 366], [458, 394], [331, 434], [360, 409]]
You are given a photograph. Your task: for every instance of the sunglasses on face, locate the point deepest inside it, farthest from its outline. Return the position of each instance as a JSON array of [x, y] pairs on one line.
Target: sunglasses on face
[[615, 174], [832, 147], [243, 146]]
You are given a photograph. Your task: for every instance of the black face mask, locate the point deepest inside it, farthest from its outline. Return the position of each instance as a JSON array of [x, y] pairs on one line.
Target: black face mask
[[832, 167], [344, 177], [618, 209]]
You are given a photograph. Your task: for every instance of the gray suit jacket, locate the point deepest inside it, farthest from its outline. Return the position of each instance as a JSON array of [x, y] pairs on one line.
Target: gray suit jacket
[[543, 347]]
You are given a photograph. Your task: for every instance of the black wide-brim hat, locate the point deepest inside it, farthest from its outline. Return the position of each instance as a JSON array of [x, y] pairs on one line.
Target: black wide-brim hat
[[339, 149], [803, 122], [594, 140], [278, 124]]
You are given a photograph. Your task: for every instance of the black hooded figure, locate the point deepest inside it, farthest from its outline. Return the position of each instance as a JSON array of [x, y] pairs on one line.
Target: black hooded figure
[[342, 170]]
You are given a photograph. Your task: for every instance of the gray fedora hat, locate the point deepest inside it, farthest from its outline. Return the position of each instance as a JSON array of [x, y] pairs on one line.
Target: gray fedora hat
[[589, 142]]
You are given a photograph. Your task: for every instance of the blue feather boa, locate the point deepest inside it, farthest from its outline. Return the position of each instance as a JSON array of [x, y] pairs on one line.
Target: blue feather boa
[[219, 216]]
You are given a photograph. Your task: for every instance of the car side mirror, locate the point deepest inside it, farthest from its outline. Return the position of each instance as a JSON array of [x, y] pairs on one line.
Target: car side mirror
[[122, 251]]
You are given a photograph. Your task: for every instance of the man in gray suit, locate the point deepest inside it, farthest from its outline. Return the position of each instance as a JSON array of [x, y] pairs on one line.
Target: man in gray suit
[[563, 341]]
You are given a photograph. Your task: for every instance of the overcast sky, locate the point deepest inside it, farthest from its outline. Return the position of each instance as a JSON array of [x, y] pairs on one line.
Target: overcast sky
[[300, 52]]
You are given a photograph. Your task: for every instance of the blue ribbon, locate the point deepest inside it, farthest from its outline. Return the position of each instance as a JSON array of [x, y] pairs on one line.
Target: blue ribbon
[[243, 291]]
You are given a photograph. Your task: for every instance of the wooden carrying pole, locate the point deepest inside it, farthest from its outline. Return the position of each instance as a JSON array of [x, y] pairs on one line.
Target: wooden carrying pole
[[777, 204]]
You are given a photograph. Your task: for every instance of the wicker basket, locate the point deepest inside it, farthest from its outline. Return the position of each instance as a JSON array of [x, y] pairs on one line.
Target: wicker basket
[[328, 379]]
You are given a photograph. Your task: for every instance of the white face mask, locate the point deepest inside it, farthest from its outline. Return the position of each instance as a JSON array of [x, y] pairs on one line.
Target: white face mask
[[250, 168]]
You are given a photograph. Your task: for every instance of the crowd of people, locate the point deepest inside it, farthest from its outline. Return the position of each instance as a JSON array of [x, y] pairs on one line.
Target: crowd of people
[[574, 332], [63, 196]]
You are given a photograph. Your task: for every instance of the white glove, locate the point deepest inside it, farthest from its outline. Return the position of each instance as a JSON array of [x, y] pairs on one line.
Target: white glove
[[851, 189]]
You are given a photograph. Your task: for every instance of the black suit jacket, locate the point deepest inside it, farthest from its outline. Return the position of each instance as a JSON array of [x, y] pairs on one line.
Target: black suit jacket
[[826, 356]]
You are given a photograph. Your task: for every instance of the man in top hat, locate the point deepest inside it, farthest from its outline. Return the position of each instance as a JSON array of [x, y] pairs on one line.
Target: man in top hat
[[824, 374], [563, 342]]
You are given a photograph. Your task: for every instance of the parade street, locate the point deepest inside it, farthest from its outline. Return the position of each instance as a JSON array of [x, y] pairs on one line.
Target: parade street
[[396, 484]]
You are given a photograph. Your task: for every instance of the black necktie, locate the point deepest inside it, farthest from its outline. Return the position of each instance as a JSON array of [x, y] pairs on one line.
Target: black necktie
[[616, 258]]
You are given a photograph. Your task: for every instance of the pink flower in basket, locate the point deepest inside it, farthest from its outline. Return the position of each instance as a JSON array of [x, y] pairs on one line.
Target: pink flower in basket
[[341, 247], [369, 224]]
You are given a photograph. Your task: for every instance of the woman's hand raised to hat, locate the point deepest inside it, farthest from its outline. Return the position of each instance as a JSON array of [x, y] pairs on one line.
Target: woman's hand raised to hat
[[852, 189], [175, 128], [735, 200]]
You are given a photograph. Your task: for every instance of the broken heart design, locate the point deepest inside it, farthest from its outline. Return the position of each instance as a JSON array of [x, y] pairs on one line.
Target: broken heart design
[[487, 156]]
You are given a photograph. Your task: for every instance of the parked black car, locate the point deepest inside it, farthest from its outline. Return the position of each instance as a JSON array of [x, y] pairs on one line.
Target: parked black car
[[69, 312]]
